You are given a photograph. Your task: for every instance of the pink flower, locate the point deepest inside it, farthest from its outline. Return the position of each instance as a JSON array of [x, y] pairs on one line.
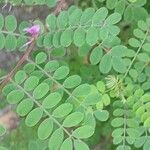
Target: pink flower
[[33, 30]]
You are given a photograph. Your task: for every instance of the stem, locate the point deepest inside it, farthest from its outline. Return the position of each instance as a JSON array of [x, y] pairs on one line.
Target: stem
[[21, 61], [15, 34], [136, 54], [60, 85], [39, 105]]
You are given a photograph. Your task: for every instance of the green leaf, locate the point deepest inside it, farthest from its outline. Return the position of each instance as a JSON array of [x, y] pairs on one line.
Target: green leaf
[[74, 18], [72, 81], [37, 73], [56, 39], [128, 14], [117, 122], [120, 7], [8, 88], [147, 122], [56, 140], [51, 100], [122, 147], [61, 72], [51, 22], [2, 41], [34, 117], [105, 99], [139, 33], [66, 37], [104, 33], [3, 148], [101, 115], [84, 50], [90, 120], [113, 30], [111, 4], [41, 90], [58, 52], [101, 86], [92, 99], [105, 64], [146, 47], [73, 119], [80, 145], [31, 83], [82, 90], [24, 107], [99, 16], [1, 21], [117, 140], [134, 42], [10, 42], [143, 57], [113, 18], [62, 110], [118, 51], [96, 55], [139, 142], [20, 42], [140, 13], [51, 3], [45, 129], [29, 67], [20, 76], [87, 15], [118, 132], [133, 132], [83, 132], [133, 73], [41, 58], [142, 25], [92, 36], [51, 66], [146, 145], [2, 130], [63, 19], [132, 123], [15, 96], [79, 37], [118, 64], [48, 40], [10, 23], [67, 144]]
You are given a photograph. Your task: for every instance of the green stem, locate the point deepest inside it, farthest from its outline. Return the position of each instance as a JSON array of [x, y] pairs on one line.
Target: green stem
[[139, 49], [60, 85], [12, 33], [39, 105]]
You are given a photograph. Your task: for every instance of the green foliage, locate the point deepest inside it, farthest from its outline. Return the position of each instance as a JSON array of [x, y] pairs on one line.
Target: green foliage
[[82, 78], [2, 130], [132, 10], [41, 99]]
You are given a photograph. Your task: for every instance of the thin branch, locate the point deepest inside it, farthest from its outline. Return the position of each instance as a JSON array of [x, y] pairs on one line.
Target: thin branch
[[19, 64], [139, 49]]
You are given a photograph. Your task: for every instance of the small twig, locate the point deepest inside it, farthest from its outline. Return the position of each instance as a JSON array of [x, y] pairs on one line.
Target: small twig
[[20, 62], [62, 5]]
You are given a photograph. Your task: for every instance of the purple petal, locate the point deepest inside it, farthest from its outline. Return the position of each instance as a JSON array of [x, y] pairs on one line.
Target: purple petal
[[33, 30]]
